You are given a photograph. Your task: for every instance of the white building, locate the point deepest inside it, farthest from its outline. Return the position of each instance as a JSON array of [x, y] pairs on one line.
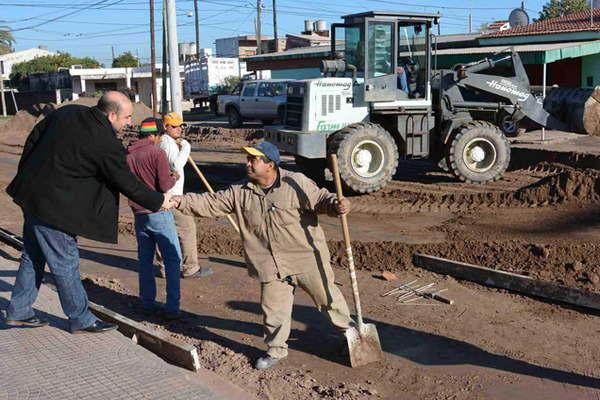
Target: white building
[[10, 59], [91, 80]]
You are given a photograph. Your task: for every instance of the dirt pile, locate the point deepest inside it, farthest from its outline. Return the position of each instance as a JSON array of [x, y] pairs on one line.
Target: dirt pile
[[209, 134], [571, 185], [564, 185], [14, 132], [568, 264]]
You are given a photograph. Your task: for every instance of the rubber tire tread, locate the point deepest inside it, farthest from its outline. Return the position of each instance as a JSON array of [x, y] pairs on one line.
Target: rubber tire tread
[[341, 143], [239, 118], [460, 171]]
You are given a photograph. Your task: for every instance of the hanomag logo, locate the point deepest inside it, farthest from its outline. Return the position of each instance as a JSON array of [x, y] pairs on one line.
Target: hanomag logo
[[508, 87]]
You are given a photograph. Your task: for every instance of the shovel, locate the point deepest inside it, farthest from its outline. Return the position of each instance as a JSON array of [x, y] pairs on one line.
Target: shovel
[[363, 341]]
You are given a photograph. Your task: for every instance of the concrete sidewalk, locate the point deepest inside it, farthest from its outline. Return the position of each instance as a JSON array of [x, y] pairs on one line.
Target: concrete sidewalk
[[51, 363]]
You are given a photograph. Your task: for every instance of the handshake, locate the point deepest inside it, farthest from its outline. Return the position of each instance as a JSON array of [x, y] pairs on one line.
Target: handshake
[[170, 201]]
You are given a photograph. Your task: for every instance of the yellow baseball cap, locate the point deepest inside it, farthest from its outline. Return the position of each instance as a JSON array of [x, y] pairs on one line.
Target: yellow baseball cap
[[173, 119]]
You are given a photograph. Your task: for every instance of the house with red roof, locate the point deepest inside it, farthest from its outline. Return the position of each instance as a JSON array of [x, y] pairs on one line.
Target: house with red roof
[[568, 48]]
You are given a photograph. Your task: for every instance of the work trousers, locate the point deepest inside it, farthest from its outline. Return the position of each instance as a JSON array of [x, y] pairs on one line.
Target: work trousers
[[277, 298], [186, 232]]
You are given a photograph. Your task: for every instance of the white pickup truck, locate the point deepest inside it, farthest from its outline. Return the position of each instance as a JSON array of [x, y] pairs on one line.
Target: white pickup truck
[[262, 100]]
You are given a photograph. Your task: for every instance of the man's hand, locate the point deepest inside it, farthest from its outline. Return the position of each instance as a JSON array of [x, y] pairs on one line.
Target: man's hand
[[176, 201], [343, 206], [167, 203], [175, 175]]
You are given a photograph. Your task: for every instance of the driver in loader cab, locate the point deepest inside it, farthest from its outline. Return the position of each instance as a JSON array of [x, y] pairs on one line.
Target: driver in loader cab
[[284, 244]]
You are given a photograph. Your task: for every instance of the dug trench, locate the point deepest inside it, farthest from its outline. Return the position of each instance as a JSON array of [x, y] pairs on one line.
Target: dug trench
[[541, 221]]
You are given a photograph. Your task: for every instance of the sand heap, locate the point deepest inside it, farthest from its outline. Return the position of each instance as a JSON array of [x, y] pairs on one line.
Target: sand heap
[[14, 132]]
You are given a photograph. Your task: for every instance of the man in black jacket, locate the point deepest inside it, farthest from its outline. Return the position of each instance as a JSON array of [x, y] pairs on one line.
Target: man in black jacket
[[69, 178]]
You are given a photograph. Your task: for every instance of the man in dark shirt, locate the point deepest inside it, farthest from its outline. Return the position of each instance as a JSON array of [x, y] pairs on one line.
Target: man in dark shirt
[[68, 182], [150, 164]]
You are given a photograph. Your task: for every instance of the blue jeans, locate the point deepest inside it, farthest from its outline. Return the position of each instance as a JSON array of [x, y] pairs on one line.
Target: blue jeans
[[42, 245], [151, 230]]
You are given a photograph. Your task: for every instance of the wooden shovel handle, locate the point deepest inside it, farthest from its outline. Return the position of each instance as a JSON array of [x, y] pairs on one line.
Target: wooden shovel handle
[[346, 232], [210, 189]]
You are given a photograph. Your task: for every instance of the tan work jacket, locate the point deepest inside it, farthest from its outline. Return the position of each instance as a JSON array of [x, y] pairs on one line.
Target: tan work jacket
[[280, 230]]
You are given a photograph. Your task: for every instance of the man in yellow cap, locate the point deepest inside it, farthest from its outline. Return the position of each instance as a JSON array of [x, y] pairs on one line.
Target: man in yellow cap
[[178, 150], [283, 242]]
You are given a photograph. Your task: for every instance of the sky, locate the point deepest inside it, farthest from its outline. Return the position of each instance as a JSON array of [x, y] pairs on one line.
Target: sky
[[94, 27]]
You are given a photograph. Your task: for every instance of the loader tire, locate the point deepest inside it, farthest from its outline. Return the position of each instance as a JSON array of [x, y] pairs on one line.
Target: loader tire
[[314, 168], [367, 156], [479, 153]]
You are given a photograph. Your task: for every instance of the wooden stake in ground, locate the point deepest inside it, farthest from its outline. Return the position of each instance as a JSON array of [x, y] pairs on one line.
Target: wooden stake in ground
[[210, 189], [363, 342]]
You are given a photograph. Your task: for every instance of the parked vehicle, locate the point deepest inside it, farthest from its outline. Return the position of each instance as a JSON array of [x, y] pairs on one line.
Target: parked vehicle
[[395, 105], [262, 100], [203, 77]]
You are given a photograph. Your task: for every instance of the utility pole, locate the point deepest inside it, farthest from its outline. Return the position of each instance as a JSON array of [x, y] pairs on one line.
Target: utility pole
[[258, 36], [197, 31], [164, 109], [275, 26], [173, 57], [470, 22], [153, 58], [2, 88], [113, 52]]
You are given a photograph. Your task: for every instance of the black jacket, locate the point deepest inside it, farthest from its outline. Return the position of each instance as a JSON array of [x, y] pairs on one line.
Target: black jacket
[[71, 172]]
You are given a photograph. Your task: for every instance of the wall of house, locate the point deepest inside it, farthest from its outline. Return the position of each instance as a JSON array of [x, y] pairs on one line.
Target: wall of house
[[590, 70], [556, 73]]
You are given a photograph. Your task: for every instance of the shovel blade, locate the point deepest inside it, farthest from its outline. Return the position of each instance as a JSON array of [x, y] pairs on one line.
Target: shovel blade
[[364, 347]]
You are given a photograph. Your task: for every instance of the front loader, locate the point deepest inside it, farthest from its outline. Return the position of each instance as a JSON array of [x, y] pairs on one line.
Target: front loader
[[363, 110]]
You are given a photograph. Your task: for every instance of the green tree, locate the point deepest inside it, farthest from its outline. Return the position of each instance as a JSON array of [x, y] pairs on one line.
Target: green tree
[[48, 64], [125, 60], [228, 85], [558, 8], [6, 40]]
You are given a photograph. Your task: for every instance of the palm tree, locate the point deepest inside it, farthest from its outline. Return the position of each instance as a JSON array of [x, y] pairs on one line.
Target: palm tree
[[6, 40]]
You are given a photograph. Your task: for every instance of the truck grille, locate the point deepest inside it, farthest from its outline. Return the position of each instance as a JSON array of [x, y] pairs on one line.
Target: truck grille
[[294, 106]]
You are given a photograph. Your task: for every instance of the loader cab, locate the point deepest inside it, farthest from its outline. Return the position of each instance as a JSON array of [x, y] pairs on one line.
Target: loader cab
[[391, 53]]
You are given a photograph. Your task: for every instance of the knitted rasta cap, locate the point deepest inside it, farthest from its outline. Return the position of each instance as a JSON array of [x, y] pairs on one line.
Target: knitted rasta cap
[[149, 126]]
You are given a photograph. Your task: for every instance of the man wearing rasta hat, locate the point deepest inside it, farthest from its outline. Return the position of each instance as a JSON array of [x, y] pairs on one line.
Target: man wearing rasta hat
[[283, 243], [150, 164], [178, 151]]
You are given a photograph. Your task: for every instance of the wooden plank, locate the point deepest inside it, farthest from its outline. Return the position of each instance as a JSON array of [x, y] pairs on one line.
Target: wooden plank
[[181, 354], [507, 280]]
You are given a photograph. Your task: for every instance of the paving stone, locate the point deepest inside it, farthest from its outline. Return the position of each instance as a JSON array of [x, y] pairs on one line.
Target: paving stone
[[52, 364]]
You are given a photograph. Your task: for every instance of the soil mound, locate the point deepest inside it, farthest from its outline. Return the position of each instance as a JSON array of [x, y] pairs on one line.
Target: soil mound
[[14, 132], [218, 135], [562, 185], [580, 186]]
